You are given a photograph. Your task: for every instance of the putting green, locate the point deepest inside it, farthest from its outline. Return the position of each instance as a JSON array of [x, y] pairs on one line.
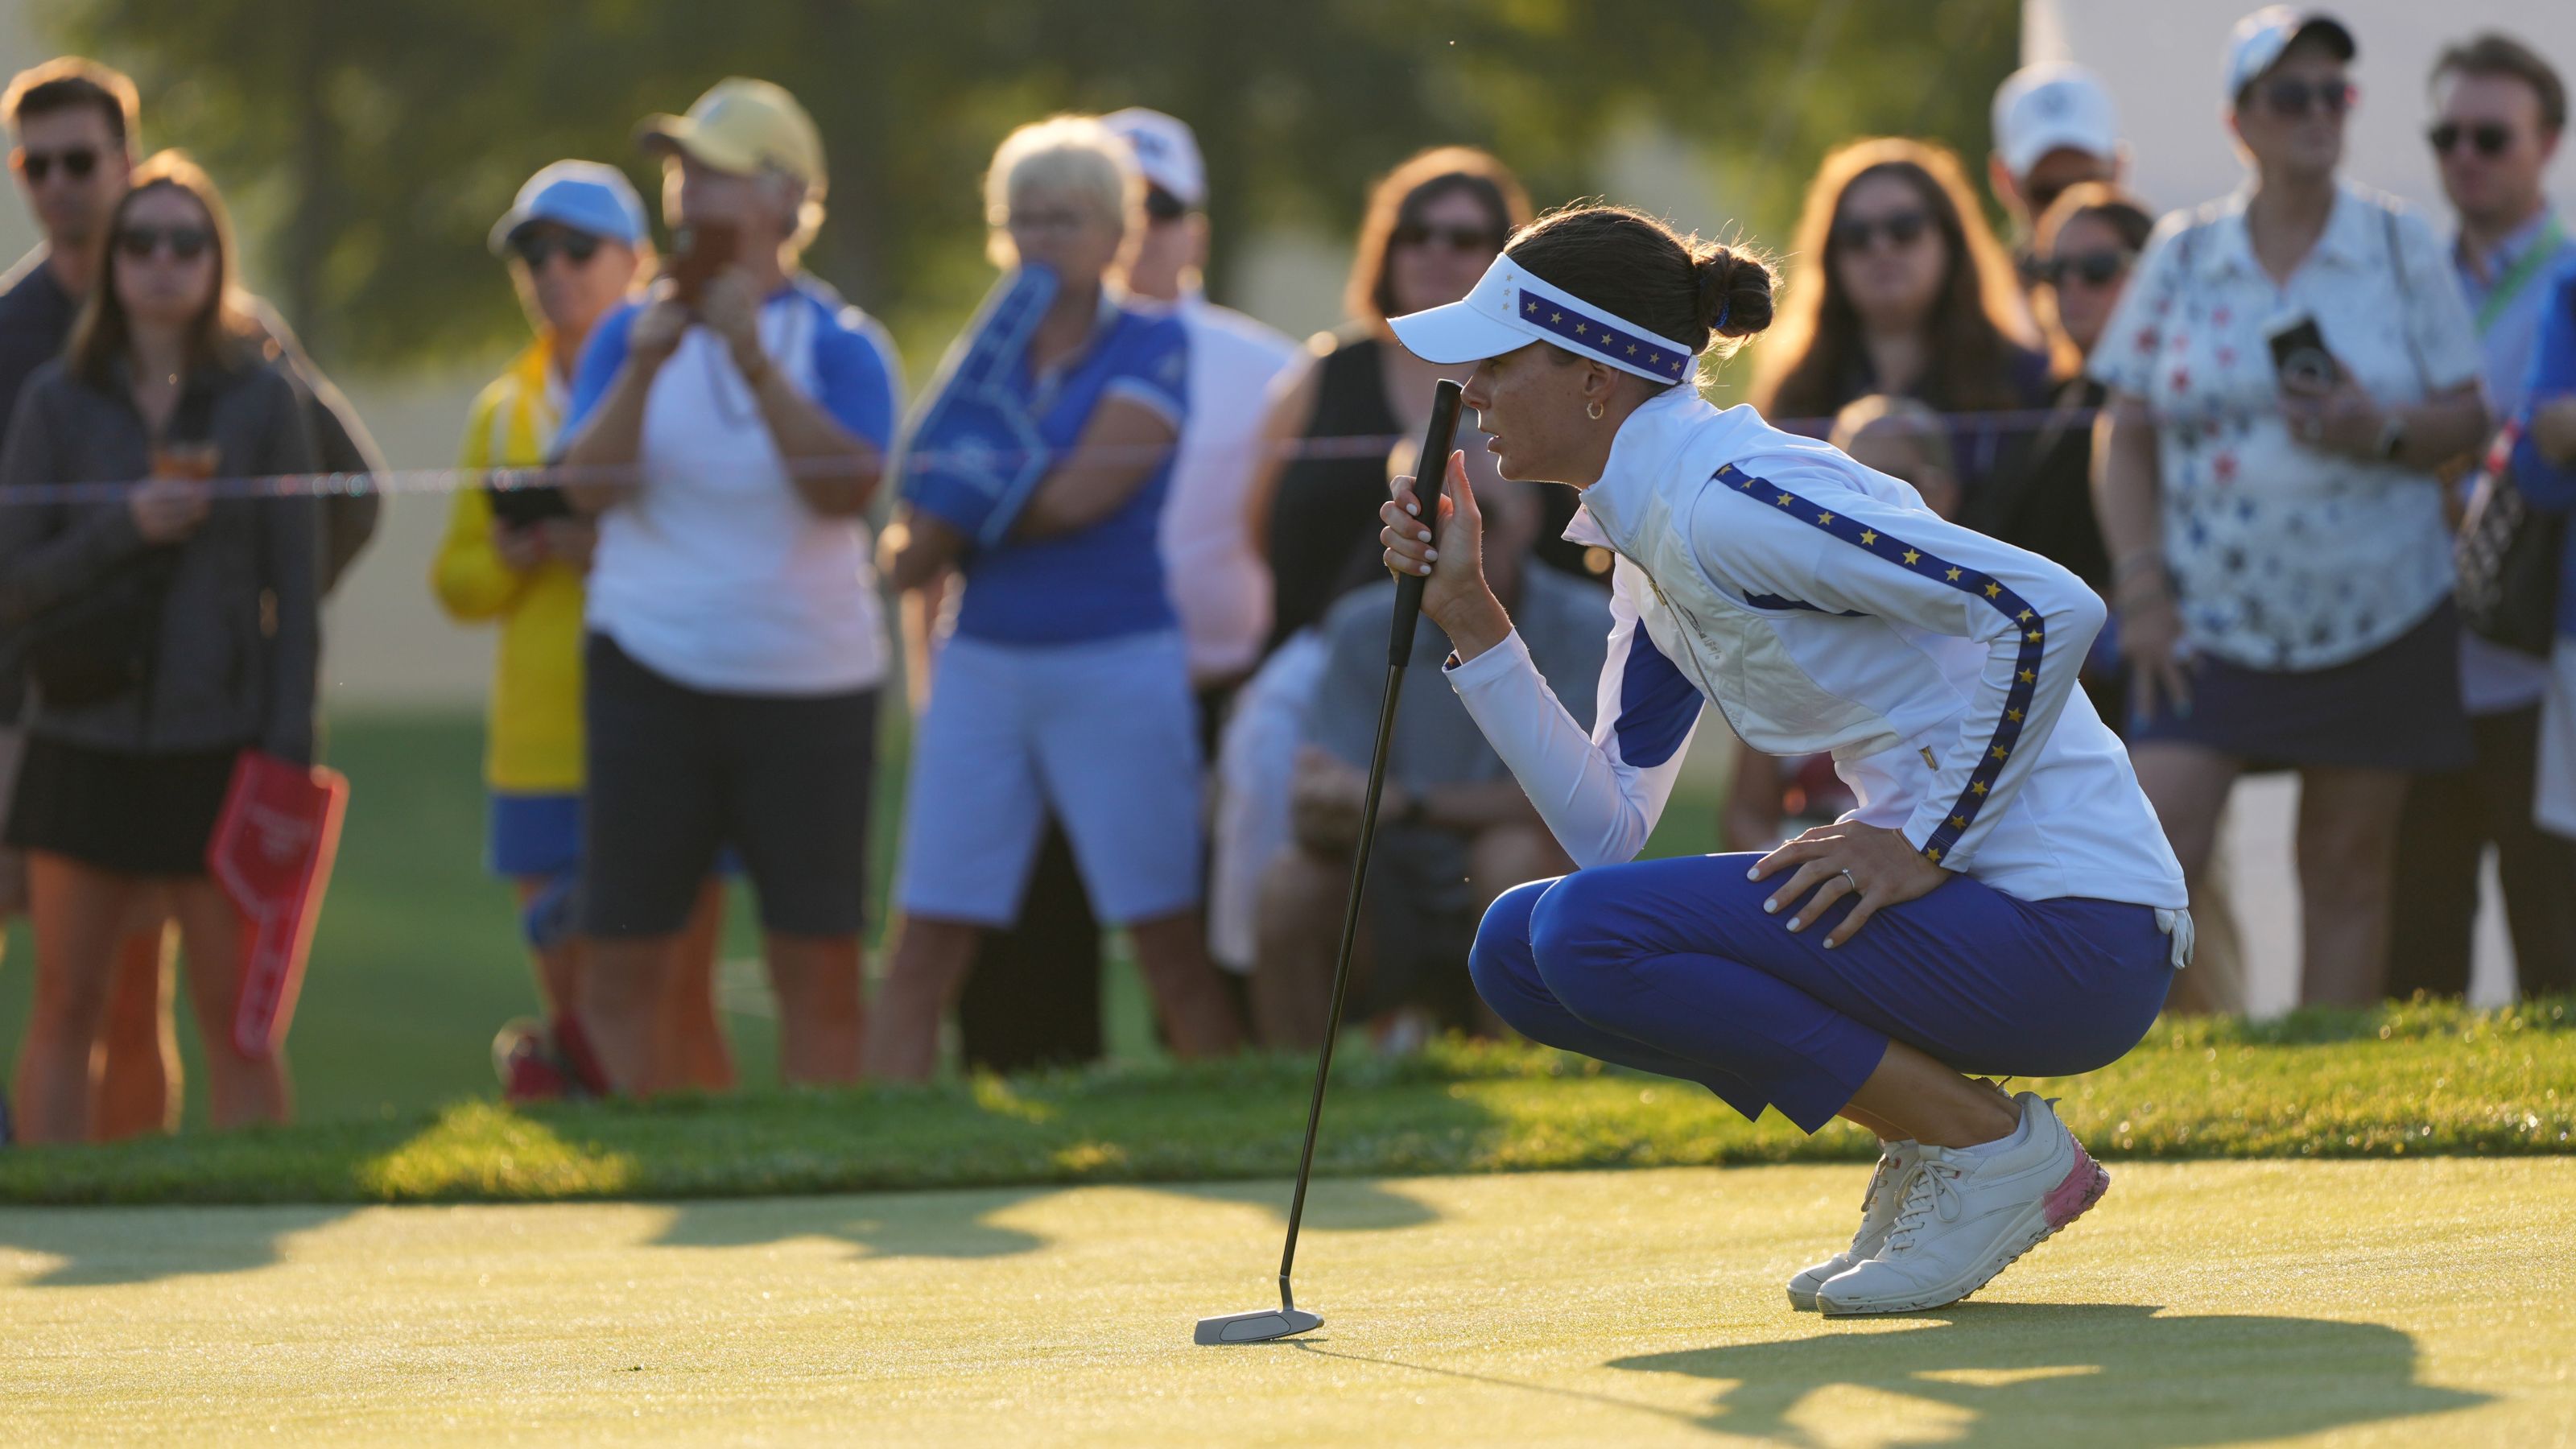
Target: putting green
[[2359, 1302]]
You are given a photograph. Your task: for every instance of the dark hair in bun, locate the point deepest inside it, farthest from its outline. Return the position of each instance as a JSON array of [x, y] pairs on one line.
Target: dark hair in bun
[[1734, 290], [1629, 264]]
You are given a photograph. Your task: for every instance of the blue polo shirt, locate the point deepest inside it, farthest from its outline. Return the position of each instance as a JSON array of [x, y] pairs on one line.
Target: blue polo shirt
[[2553, 375], [1106, 580]]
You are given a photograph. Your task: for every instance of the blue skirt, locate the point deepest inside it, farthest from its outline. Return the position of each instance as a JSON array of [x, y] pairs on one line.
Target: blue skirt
[[2395, 708]]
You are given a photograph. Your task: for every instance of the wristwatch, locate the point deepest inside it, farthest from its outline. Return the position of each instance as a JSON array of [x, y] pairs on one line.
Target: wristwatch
[[2392, 437]]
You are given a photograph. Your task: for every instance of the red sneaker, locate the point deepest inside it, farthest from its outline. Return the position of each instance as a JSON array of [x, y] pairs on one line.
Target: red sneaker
[[523, 1057]]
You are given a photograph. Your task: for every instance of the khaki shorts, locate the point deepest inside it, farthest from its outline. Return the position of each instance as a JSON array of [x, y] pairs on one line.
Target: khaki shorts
[[13, 866]]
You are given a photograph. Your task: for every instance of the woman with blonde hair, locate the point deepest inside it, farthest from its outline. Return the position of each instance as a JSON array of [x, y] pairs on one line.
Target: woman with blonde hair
[[167, 629], [1062, 686]]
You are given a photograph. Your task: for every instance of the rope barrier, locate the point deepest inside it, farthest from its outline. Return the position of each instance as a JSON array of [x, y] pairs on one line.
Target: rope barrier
[[433, 482]]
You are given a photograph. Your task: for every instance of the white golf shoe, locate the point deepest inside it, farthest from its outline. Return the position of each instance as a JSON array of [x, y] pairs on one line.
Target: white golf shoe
[[1877, 1214], [1967, 1213]]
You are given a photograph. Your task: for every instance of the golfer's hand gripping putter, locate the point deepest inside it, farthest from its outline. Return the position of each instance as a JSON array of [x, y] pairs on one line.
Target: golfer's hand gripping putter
[[1431, 468]]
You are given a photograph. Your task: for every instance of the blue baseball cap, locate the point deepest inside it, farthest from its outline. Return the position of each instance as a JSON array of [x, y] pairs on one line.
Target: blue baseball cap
[[586, 196]]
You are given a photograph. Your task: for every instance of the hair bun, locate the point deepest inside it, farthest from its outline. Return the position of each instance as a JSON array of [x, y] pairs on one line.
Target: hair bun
[[1734, 292]]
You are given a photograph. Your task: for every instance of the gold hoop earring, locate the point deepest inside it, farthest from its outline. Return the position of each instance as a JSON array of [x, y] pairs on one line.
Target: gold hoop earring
[[1592, 410]]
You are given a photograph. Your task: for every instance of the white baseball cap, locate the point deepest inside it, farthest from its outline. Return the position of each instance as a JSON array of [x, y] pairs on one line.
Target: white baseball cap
[[1166, 152], [2256, 43], [2053, 107], [1510, 309]]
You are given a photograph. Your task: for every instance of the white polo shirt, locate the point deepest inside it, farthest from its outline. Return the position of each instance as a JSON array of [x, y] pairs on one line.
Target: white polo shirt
[[715, 573], [2288, 557], [1219, 585]]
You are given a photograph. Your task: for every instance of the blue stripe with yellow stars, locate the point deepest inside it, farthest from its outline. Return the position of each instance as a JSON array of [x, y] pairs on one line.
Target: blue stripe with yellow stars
[[1583, 330], [2025, 682]]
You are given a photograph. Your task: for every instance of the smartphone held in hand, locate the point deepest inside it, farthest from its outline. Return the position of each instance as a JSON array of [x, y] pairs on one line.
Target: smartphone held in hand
[[2300, 357], [705, 248]]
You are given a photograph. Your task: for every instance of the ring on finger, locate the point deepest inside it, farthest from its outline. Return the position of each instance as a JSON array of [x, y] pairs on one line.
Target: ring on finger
[[1855, 880]]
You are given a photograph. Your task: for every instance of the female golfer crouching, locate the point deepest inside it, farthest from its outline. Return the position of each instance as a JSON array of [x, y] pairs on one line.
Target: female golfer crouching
[[2002, 902]]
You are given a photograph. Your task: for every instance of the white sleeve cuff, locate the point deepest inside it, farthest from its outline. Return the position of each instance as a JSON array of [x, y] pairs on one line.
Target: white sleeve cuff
[[1508, 658]]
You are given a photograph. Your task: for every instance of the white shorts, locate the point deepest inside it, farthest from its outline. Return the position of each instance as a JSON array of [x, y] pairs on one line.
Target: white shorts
[[1256, 763], [2554, 795], [1103, 735]]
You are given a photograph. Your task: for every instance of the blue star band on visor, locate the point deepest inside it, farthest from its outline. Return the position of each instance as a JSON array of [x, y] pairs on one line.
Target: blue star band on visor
[[1509, 309]]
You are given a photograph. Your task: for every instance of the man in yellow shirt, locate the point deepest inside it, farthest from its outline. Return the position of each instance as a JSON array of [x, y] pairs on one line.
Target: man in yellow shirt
[[576, 241]]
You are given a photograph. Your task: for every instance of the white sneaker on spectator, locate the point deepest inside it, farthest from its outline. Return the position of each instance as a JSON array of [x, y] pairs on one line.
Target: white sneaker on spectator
[[1968, 1212], [1877, 1214]]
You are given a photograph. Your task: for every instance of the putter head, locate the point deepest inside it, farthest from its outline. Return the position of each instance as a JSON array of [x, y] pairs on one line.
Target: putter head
[[1259, 1326]]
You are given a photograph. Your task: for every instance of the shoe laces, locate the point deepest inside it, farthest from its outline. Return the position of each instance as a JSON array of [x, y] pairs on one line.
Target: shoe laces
[[1933, 1193], [1888, 1177]]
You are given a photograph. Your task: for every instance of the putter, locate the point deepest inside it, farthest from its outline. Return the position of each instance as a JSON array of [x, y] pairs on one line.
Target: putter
[[1432, 465]]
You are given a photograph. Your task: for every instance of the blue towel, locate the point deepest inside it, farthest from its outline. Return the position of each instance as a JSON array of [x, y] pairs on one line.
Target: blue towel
[[974, 456]]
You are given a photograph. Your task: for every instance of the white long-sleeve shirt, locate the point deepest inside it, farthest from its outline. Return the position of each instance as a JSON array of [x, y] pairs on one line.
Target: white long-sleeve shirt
[[1824, 609]]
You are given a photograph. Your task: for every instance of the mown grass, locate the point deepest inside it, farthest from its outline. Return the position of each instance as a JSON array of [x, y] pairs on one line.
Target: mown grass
[[2399, 1081]]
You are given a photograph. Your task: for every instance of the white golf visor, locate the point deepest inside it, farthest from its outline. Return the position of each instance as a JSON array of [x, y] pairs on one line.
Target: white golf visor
[[1509, 309]]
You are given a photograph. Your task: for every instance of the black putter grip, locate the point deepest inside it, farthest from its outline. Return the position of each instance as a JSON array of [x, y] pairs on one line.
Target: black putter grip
[[1431, 473]]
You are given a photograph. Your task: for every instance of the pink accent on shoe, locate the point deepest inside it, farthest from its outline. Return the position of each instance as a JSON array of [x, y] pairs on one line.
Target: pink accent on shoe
[[2084, 1185]]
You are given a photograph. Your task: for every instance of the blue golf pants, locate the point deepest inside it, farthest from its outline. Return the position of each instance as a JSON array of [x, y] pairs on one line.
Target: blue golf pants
[[1671, 966]]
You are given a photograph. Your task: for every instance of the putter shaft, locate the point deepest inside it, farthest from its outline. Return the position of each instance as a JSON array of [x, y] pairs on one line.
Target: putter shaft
[[1341, 972]]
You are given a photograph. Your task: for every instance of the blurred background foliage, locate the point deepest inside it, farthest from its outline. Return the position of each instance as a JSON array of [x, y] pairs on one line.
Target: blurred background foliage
[[368, 146]]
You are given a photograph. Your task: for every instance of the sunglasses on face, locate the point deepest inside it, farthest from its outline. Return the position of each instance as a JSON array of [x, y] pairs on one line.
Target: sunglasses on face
[[1479, 239], [1066, 221], [77, 163], [186, 243], [2489, 138], [2298, 97], [577, 248], [1161, 205], [1903, 228], [2095, 269]]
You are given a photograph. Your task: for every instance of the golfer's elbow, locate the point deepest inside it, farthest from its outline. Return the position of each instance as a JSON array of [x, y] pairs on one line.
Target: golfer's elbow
[[1616, 841]]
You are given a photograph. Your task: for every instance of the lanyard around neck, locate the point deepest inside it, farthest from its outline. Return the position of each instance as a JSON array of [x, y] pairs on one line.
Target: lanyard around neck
[[2524, 269]]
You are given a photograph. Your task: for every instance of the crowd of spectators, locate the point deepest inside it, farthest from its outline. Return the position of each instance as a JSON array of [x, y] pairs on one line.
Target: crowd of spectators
[[1120, 550]]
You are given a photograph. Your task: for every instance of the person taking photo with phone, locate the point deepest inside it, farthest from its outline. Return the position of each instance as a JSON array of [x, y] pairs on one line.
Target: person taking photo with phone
[[728, 432], [2280, 563]]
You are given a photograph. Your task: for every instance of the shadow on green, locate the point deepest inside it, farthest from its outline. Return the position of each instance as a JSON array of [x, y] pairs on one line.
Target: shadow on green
[[962, 1225], [2074, 1373], [105, 1246]]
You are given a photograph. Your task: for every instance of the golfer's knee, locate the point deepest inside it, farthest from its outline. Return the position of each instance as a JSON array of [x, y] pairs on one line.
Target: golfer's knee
[[1573, 954], [1499, 963]]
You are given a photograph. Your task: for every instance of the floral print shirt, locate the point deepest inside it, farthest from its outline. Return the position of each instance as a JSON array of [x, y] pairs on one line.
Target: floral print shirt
[[2286, 557]]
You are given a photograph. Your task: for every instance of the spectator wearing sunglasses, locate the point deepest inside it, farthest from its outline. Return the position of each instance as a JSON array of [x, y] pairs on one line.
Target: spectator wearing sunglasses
[[577, 245], [1062, 686], [2498, 112], [166, 629], [1431, 227], [73, 124], [2281, 565], [76, 127], [2055, 127], [1910, 294], [2083, 248]]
